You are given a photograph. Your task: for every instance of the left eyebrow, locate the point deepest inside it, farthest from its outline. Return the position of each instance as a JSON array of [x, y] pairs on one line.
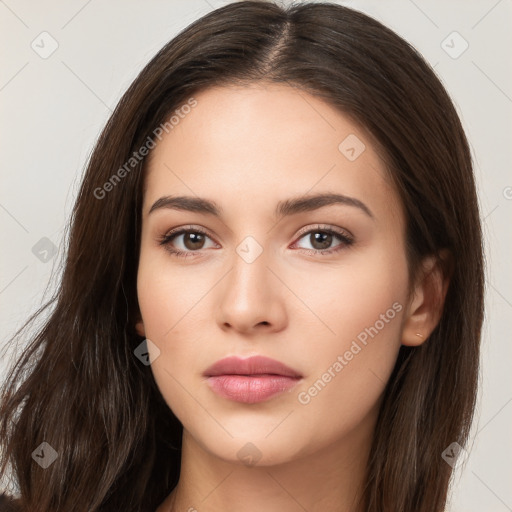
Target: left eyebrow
[[314, 202], [287, 207]]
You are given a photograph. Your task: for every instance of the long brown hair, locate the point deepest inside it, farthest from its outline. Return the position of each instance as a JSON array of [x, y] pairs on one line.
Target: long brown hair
[[79, 387]]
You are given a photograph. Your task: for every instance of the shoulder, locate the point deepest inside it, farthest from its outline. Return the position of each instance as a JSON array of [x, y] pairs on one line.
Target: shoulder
[[8, 504]]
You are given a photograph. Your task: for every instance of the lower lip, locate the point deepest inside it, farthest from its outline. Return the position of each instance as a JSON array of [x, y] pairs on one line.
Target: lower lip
[[250, 390]]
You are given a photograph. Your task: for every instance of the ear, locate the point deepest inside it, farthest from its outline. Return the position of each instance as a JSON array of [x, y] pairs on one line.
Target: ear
[[139, 326], [427, 300]]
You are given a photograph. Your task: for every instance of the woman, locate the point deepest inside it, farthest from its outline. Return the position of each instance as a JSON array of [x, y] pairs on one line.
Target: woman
[[198, 355]]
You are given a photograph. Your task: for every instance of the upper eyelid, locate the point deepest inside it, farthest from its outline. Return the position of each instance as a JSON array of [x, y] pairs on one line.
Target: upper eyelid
[[337, 230]]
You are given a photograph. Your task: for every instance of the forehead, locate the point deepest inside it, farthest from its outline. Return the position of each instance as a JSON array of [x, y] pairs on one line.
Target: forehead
[[263, 141]]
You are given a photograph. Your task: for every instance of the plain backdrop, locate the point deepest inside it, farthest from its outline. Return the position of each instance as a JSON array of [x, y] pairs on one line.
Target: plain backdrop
[[65, 65]]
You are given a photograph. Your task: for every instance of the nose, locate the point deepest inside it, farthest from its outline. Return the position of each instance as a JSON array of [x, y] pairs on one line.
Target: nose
[[251, 298]]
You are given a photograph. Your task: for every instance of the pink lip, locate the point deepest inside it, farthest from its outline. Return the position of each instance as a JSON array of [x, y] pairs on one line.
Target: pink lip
[[250, 380]]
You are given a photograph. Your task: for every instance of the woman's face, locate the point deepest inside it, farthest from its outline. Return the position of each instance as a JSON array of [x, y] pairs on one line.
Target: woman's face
[[251, 284]]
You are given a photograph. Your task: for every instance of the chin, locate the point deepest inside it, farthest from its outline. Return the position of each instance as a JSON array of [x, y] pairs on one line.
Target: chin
[[260, 447]]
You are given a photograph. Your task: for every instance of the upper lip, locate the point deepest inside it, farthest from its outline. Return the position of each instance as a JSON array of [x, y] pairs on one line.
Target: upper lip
[[255, 365]]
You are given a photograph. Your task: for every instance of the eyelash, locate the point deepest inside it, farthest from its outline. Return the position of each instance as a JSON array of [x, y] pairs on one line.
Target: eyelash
[[165, 240]]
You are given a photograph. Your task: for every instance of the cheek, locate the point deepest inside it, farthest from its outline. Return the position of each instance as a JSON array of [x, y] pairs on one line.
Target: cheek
[[353, 348], [166, 293], [173, 303], [345, 299], [168, 305]]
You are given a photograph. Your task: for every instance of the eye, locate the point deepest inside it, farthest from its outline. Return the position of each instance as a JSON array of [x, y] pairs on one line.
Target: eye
[[321, 239], [193, 240]]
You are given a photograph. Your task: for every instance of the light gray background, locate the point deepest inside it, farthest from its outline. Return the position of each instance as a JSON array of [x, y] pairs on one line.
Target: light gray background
[[53, 108]]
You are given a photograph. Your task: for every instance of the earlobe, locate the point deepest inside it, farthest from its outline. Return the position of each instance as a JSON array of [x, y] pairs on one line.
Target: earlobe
[[427, 302], [139, 327]]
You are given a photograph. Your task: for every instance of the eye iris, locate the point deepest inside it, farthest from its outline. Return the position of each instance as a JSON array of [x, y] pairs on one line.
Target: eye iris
[[323, 239], [193, 240]]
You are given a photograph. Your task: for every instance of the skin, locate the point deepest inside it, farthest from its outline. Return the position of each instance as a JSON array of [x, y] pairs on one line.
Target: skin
[[246, 148]]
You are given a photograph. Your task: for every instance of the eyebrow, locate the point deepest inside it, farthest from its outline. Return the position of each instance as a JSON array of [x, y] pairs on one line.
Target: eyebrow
[[284, 208]]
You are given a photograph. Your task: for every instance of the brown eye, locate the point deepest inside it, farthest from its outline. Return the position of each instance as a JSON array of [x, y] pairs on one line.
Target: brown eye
[[184, 242], [193, 241], [321, 240]]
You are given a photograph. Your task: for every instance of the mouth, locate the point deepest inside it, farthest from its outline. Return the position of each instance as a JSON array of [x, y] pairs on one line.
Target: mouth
[[252, 380]]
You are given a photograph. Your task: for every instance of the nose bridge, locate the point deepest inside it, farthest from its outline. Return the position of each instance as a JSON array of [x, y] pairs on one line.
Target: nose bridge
[[251, 294], [250, 275]]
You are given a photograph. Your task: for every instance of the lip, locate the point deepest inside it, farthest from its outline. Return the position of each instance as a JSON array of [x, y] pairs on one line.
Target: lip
[[251, 380]]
